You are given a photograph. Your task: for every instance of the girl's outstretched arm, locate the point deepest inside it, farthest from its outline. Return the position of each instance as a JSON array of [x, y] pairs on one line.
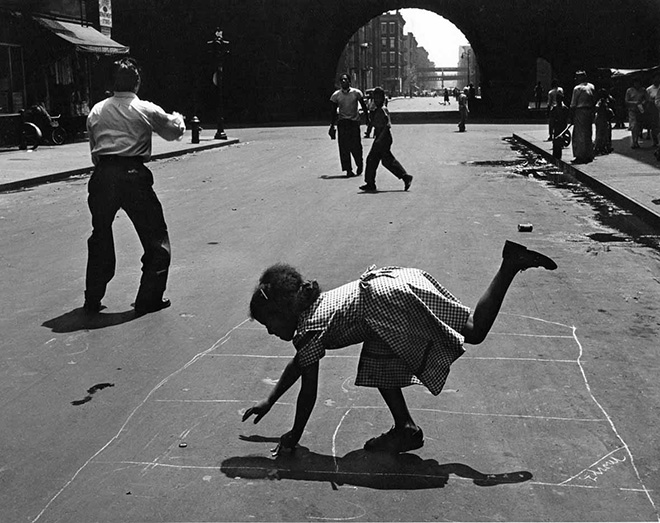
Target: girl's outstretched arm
[[304, 408], [289, 376]]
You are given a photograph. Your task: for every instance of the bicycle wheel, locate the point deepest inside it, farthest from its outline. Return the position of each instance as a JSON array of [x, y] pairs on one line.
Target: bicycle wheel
[[58, 136], [31, 136]]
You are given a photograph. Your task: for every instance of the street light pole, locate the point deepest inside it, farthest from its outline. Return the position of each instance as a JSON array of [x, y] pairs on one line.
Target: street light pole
[[220, 49]]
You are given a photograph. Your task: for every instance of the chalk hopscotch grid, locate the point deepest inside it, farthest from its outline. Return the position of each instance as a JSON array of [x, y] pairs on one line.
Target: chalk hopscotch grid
[[219, 343]]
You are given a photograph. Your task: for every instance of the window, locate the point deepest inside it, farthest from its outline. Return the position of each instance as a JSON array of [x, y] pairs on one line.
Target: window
[[383, 27], [12, 84], [383, 57], [392, 40], [392, 57], [383, 42], [392, 28]]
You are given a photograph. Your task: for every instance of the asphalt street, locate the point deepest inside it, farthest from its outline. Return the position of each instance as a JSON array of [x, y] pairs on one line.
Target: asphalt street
[[124, 419]]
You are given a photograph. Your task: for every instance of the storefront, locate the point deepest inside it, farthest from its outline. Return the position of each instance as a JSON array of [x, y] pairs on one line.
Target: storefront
[[62, 64]]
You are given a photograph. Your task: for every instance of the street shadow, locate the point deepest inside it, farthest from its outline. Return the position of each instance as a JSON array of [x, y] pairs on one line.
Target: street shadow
[[78, 319], [336, 177], [360, 468], [644, 154]]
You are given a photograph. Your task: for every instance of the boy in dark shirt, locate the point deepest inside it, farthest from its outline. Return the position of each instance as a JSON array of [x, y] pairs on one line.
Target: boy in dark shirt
[[381, 148], [558, 123]]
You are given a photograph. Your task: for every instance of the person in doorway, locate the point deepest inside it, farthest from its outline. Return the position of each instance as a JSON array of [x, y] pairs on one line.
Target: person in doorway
[[538, 95], [381, 148], [120, 129], [346, 117], [636, 98], [412, 329], [463, 109], [582, 106]]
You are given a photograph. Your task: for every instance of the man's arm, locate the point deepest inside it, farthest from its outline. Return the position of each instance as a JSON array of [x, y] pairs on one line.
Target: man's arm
[[334, 115]]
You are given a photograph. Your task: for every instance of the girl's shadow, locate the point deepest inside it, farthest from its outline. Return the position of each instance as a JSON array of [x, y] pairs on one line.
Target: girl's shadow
[[361, 468]]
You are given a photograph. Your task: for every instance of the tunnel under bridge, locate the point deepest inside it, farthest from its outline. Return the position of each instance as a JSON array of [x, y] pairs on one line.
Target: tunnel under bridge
[[284, 53]]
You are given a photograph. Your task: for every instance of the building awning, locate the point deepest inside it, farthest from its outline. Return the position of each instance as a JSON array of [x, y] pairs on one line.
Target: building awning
[[84, 38]]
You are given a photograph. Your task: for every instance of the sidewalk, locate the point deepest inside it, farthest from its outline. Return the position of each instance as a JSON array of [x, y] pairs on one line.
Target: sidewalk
[[50, 163], [629, 177]]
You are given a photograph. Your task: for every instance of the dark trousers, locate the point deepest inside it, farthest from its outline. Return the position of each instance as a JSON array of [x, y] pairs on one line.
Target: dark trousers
[[350, 144], [381, 152], [125, 183]]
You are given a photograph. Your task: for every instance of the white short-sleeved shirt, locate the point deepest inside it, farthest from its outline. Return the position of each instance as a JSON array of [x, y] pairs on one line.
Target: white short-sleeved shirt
[[348, 103]]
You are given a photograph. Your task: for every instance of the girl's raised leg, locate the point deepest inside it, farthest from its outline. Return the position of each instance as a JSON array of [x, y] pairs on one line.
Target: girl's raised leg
[[515, 258]]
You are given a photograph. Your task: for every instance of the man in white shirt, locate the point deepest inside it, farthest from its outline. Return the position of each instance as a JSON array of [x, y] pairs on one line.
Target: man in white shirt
[[120, 129], [346, 115]]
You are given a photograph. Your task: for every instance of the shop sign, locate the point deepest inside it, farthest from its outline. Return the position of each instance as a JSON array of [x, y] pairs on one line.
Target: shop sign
[[105, 13]]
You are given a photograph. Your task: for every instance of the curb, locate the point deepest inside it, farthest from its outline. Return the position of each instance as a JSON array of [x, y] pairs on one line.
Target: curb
[[59, 176], [645, 213]]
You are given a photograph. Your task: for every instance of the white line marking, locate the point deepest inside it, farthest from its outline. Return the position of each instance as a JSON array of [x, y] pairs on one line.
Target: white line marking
[[218, 343]]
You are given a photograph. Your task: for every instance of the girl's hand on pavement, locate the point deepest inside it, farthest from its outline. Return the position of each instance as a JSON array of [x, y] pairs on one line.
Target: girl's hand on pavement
[[259, 411]]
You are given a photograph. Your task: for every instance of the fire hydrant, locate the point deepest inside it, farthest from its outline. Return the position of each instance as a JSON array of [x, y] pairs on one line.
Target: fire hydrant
[[195, 128]]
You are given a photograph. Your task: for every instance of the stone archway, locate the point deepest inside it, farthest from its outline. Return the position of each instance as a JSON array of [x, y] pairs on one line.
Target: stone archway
[[284, 52]]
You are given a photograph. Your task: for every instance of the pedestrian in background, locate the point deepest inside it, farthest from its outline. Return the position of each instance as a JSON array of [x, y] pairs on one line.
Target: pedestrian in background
[[372, 107], [603, 122], [381, 149], [559, 119], [447, 100], [583, 102], [652, 110], [552, 101], [463, 109], [636, 98], [346, 116], [120, 129]]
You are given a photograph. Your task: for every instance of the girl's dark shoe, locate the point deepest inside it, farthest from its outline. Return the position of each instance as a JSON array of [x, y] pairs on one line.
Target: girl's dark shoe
[[368, 188], [407, 182], [523, 258], [396, 441]]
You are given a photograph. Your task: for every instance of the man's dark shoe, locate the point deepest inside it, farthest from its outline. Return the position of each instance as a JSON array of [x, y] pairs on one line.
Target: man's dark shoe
[[92, 307], [396, 441], [359, 170], [145, 308], [407, 182], [368, 188]]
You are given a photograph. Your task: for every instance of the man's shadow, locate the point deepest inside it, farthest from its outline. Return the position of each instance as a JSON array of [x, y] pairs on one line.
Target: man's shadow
[[78, 319], [360, 468]]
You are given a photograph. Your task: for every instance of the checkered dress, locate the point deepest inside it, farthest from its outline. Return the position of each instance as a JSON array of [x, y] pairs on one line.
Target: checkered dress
[[408, 323]]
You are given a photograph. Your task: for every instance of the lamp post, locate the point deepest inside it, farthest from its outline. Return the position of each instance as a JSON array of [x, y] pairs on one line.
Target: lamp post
[[219, 47]]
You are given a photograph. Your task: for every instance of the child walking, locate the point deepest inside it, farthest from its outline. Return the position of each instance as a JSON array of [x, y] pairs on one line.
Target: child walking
[[381, 148], [559, 116], [411, 327]]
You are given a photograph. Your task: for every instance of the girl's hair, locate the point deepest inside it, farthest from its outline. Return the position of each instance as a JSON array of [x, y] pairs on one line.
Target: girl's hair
[[282, 290]]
